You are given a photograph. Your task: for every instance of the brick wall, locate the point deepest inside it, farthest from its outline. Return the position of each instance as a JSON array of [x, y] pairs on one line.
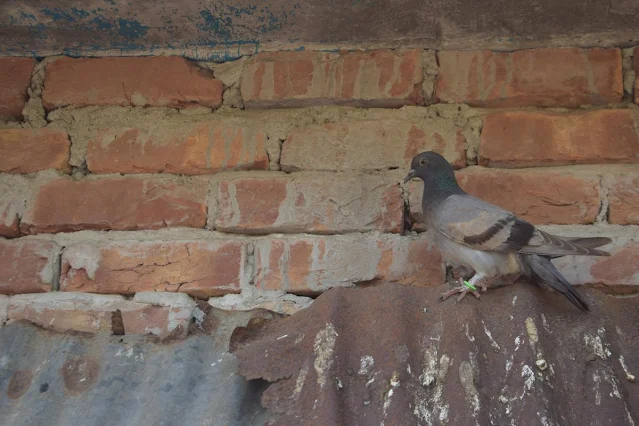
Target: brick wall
[[259, 182]]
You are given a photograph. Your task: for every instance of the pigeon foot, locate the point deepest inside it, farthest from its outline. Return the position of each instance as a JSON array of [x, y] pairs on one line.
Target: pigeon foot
[[463, 290]]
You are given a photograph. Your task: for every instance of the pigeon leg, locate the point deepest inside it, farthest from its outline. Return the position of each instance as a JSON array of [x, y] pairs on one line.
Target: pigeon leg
[[477, 280]]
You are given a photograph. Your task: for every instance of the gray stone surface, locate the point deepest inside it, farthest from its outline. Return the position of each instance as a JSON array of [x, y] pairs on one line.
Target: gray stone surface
[[60, 379]]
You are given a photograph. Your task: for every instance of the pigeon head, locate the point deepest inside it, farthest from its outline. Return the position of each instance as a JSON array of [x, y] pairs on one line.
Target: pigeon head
[[437, 173]]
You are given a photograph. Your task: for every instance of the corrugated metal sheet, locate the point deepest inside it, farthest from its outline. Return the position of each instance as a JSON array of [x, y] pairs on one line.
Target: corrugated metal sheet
[[61, 379]]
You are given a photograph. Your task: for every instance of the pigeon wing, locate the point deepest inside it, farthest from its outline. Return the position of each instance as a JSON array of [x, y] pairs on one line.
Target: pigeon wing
[[482, 226]]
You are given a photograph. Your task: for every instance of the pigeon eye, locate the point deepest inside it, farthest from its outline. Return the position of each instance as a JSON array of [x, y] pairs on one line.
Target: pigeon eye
[[422, 161]]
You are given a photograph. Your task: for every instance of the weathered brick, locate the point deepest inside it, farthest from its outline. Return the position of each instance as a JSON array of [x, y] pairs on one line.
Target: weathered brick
[[555, 77], [313, 202], [541, 196], [158, 314], [287, 304], [28, 266], [623, 198], [15, 77], [528, 138], [620, 269], [32, 150], [127, 203], [199, 268], [370, 145], [149, 81], [14, 190], [312, 264], [376, 78], [200, 149]]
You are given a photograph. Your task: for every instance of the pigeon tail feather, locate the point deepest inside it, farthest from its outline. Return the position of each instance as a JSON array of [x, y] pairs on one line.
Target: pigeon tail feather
[[541, 267]]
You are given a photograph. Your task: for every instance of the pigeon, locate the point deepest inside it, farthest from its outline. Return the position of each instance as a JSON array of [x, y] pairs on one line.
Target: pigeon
[[495, 243]]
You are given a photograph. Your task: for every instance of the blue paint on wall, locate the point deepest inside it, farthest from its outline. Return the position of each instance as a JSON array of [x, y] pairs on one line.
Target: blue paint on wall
[[57, 14], [101, 23], [231, 31], [131, 29], [80, 13]]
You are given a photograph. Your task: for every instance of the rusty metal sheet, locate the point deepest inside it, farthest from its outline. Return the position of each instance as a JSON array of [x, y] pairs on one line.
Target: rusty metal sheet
[[223, 29], [60, 379], [391, 355]]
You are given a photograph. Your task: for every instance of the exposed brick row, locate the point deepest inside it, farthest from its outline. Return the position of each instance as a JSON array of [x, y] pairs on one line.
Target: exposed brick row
[[298, 264], [159, 314], [508, 140], [555, 77], [301, 264], [314, 202]]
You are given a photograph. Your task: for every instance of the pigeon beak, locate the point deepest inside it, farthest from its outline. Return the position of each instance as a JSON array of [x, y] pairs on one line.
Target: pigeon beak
[[410, 175]]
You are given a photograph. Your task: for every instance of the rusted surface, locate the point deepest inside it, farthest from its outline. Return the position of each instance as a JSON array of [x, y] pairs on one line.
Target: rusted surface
[[79, 374], [19, 383], [391, 355], [224, 29]]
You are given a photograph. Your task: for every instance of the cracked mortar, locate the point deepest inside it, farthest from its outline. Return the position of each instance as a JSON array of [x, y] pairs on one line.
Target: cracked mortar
[[34, 113]]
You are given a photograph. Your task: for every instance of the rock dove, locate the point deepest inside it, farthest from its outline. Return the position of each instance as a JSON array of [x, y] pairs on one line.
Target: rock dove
[[494, 242]]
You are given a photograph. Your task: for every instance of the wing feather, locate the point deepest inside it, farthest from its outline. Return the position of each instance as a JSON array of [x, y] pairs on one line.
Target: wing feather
[[482, 226]]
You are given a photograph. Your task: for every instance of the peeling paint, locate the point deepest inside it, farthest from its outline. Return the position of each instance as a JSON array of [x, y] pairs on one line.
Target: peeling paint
[[366, 363], [429, 366], [493, 343], [467, 378], [531, 329], [324, 347], [629, 376]]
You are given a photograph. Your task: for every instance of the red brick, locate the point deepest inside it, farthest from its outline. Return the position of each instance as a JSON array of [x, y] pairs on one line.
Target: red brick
[[567, 77], [128, 203], [623, 197], [620, 269], [32, 150], [9, 222], [319, 203], [312, 264], [91, 313], [526, 139], [376, 78], [199, 268], [200, 149], [541, 196], [150, 81], [27, 266], [369, 145], [15, 77]]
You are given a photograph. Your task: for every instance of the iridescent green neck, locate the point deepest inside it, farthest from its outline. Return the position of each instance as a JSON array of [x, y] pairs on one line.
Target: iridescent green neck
[[445, 183]]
